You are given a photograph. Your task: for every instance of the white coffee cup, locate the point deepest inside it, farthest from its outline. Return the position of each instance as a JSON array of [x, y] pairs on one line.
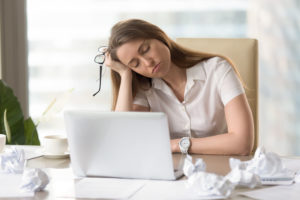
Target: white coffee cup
[[55, 144], [2, 142]]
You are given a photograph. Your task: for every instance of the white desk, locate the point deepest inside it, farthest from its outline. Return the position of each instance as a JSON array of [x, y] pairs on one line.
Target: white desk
[[215, 164]]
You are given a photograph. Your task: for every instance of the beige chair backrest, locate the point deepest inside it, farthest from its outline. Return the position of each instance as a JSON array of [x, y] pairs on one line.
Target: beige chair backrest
[[244, 54]]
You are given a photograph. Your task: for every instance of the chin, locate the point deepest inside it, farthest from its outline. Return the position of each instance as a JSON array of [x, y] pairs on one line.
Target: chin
[[158, 75]]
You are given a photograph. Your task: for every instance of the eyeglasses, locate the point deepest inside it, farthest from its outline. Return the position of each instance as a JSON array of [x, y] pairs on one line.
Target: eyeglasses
[[99, 59]]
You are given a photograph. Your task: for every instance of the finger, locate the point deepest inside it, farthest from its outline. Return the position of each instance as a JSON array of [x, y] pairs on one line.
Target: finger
[[108, 60]]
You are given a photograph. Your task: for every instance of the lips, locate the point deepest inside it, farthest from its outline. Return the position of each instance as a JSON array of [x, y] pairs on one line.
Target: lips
[[155, 69]]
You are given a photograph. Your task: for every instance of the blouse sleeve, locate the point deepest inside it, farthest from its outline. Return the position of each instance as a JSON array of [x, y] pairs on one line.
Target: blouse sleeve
[[141, 99], [229, 85]]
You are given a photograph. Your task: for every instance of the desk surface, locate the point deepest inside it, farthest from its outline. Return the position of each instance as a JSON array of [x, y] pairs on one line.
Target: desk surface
[[215, 164]]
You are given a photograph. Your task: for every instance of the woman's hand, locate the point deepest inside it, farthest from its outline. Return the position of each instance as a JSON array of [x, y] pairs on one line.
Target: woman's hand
[[118, 67]]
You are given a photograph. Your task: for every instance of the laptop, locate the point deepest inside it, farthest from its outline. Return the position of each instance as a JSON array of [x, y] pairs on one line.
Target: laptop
[[120, 144]]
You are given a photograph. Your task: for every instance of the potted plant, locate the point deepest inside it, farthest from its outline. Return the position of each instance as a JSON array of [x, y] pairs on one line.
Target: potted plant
[[12, 123]]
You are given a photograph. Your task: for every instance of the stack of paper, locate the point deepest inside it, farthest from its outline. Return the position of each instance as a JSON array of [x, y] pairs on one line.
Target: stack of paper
[[10, 186], [65, 185], [290, 192]]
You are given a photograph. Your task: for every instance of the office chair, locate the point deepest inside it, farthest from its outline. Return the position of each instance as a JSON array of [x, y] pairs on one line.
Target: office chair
[[244, 54]]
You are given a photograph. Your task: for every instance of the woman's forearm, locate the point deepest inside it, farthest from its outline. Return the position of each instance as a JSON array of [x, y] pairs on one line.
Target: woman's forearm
[[124, 101], [223, 144]]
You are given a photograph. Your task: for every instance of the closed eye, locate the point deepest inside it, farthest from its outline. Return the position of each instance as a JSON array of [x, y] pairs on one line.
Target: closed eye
[[146, 49], [134, 63], [137, 64]]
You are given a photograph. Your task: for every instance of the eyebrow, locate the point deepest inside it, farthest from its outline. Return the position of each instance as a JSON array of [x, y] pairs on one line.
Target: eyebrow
[[139, 50]]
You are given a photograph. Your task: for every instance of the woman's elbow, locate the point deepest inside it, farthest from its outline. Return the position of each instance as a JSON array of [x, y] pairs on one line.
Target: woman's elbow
[[245, 144], [246, 151]]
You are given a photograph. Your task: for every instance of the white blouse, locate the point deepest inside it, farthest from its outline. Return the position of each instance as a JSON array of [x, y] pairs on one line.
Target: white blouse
[[211, 84]]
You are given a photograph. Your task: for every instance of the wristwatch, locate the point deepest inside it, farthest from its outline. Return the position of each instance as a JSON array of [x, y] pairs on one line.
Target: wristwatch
[[184, 144]]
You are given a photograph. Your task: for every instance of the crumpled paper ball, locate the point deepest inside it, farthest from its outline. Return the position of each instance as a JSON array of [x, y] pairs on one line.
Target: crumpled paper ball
[[13, 161], [203, 183], [34, 180], [189, 168], [297, 177], [263, 165], [240, 177]]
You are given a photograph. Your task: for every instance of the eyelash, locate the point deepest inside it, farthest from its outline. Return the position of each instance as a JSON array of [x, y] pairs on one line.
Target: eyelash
[[145, 51]]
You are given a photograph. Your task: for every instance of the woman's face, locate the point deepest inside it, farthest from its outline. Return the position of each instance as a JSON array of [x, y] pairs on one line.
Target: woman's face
[[150, 57]]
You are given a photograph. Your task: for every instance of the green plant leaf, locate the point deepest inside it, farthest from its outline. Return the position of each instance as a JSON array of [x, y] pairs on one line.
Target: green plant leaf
[[14, 116], [6, 127], [31, 135]]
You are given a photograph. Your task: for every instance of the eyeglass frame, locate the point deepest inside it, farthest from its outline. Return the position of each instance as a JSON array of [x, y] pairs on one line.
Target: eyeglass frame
[[101, 53]]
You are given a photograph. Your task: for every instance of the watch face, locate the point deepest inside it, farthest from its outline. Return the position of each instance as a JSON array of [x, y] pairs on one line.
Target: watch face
[[185, 143]]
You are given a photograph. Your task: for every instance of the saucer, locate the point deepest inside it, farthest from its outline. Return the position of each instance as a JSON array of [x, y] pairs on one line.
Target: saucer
[[54, 156], [64, 155]]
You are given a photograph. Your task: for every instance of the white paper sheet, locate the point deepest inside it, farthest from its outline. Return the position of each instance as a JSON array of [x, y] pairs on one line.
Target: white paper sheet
[[62, 181], [31, 153], [167, 190], [9, 186], [291, 192], [107, 188], [292, 164], [65, 185]]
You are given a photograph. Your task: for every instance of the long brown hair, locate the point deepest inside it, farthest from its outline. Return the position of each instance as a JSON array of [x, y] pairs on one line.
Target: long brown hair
[[128, 30]]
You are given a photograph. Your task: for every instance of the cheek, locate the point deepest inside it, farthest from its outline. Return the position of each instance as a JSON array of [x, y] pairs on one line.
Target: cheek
[[139, 71], [166, 57], [165, 53]]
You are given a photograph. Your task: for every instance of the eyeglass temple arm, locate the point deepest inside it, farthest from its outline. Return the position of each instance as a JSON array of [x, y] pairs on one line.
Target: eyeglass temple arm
[[100, 75]]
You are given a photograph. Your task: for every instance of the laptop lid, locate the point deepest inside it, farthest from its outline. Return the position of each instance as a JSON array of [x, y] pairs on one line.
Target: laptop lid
[[120, 144]]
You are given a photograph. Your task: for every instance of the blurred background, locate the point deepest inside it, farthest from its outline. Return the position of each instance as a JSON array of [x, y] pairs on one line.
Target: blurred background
[[63, 38]]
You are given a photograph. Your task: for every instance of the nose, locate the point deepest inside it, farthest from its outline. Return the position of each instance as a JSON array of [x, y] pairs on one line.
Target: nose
[[148, 61]]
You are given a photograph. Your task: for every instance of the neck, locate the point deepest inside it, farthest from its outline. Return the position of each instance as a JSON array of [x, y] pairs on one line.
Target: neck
[[176, 78]]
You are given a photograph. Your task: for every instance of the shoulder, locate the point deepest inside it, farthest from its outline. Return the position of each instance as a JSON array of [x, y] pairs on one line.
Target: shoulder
[[216, 63], [216, 66]]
